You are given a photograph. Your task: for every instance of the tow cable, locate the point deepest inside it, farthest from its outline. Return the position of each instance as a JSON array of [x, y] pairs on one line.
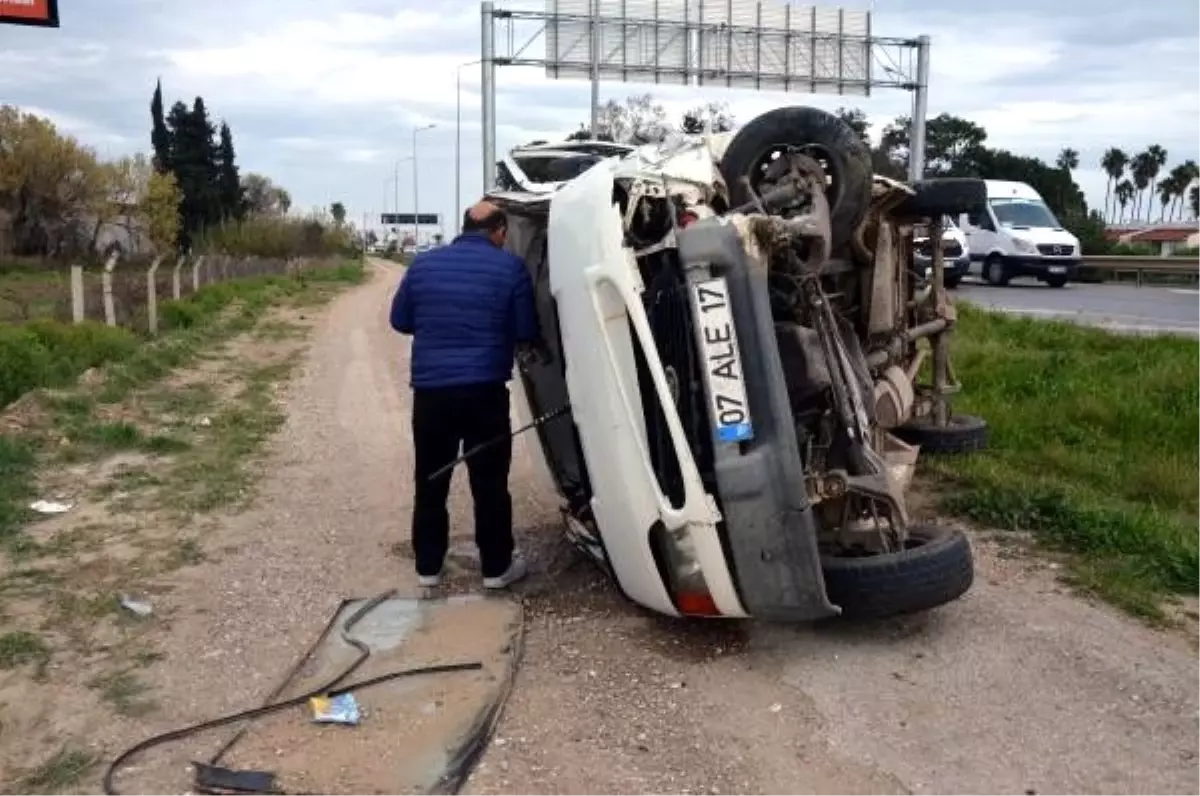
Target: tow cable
[[211, 778], [537, 421]]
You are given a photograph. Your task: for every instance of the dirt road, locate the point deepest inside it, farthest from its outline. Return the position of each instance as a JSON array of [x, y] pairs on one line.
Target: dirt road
[[1020, 687]]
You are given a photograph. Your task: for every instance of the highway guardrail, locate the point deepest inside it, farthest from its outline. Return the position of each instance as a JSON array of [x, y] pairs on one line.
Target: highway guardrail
[[1139, 266]]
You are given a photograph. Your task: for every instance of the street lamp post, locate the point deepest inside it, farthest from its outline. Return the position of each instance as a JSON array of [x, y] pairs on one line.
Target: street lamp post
[[416, 189], [458, 145]]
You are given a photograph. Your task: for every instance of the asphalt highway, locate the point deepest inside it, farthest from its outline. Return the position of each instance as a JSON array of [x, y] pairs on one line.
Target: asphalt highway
[[1119, 308]]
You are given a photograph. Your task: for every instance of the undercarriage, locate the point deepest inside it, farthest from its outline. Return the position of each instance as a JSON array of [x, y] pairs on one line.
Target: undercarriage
[[806, 402]]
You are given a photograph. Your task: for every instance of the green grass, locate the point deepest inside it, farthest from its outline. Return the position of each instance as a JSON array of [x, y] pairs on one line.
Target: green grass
[[1093, 449], [17, 463], [61, 772], [125, 692], [218, 473], [20, 647]]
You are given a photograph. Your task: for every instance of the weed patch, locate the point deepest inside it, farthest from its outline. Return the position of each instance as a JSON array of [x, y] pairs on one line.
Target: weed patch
[[20, 647], [125, 692], [1093, 449], [65, 769]]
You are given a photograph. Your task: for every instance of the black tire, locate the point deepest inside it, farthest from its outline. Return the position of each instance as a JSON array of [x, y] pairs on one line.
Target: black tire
[[952, 281], [946, 196], [935, 569], [1056, 281], [994, 272], [814, 132], [961, 434]]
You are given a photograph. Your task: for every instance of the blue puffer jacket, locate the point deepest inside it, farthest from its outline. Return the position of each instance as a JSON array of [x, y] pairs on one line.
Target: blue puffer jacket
[[466, 305]]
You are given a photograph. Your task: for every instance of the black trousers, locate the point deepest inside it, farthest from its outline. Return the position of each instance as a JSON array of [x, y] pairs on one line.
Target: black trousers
[[443, 421]]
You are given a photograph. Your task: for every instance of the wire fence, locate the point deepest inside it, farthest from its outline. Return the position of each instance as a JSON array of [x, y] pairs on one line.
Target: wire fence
[[128, 294]]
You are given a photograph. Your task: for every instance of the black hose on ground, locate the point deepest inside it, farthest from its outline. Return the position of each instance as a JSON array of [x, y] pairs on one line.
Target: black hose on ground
[[460, 766]]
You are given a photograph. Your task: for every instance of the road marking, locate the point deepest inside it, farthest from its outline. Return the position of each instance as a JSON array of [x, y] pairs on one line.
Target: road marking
[[1105, 322], [1184, 291]]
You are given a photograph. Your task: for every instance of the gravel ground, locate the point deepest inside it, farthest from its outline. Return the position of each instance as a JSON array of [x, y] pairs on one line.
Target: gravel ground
[[1020, 687]]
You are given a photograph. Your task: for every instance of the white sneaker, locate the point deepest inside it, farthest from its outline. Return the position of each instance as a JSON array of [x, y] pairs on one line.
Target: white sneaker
[[517, 569], [429, 581]]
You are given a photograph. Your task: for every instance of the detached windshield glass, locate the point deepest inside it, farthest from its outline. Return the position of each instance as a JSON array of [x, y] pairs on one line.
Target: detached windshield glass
[[1023, 213]]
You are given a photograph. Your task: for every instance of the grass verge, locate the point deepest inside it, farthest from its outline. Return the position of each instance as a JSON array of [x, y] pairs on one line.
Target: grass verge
[[1093, 449]]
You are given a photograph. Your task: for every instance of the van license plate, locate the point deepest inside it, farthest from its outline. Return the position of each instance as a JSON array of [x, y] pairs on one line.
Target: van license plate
[[1058, 269], [722, 361]]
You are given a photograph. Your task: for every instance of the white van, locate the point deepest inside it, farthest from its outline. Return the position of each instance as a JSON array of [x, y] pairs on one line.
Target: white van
[[1016, 234]]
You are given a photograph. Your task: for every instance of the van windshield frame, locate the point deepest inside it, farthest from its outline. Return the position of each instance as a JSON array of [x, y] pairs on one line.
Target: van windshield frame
[[1018, 212]]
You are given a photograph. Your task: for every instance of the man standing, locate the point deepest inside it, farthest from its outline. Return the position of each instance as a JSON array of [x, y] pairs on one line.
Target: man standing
[[468, 306]]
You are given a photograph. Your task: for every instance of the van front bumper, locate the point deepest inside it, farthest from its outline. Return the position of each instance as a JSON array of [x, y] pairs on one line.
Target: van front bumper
[[1042, 267]]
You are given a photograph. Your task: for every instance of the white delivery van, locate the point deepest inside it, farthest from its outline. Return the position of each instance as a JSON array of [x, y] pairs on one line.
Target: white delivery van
[[1015, 234]]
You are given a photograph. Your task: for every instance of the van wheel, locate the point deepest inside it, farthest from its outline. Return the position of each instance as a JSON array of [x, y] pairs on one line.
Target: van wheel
[[961, 434], [935, 567], [1056, 281], [951, 282], [807, 131], [994, 271]]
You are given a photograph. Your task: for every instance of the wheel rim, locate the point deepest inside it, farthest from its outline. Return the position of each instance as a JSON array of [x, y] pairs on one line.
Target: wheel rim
[[762, 179], [911, 542]]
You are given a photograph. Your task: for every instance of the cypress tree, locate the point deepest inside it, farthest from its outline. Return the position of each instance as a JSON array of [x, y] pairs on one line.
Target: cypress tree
[[207, 163], [229, 184], [182, 160], [160, 136]]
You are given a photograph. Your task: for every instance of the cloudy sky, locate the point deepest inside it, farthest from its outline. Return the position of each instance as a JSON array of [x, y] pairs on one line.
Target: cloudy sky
[[323, 96]]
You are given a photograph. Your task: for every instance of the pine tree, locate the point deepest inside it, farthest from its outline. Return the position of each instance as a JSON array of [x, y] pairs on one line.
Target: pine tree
[[181, 160], [160, 136], [194, 162], [229, 185], [207, 161]]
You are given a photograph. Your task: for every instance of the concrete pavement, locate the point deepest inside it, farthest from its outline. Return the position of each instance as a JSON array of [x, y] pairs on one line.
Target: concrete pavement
[[1119, 308]]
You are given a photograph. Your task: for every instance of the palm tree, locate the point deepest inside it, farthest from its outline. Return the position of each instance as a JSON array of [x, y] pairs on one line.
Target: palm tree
[[1068, 159], [1113, 163], [1124, 193], [1139, 169], [1180, 178], [1184, 175], [1157, 158], [1194, 201], [1167, 190]]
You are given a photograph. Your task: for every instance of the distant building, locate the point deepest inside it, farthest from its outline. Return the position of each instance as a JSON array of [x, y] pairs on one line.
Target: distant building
[[1164, 239]]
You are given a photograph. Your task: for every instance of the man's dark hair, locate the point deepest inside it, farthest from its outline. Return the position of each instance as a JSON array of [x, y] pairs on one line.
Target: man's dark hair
[[493, 221]]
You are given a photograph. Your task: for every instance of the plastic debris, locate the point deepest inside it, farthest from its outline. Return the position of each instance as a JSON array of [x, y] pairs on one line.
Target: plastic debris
[[50, 507], [136, 606], [341, 709], [775, 708]]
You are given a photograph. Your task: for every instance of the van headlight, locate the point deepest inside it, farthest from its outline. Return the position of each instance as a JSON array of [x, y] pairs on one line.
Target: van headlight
[[1025, 246]]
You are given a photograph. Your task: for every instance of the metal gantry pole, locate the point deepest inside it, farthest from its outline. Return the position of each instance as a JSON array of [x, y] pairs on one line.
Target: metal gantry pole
[[457, 149], [916, 139], [594, 70], [487, 85]]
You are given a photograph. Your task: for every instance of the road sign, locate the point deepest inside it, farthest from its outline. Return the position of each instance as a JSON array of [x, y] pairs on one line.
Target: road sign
[[408, 219], [43, 13], [767, 46]]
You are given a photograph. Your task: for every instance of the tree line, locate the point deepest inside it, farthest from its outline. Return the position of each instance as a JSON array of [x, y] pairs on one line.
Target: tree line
[[956, 147], [1142, 183], [59, 199], [57, 196]]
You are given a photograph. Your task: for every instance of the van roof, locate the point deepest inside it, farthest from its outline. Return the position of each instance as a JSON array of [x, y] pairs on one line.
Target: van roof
[[997, 189]]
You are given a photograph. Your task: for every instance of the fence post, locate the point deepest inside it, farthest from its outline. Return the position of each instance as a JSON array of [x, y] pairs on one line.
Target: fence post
[[176, 288], [196, 273], [152, 294], [77, 293], [110, 312]]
